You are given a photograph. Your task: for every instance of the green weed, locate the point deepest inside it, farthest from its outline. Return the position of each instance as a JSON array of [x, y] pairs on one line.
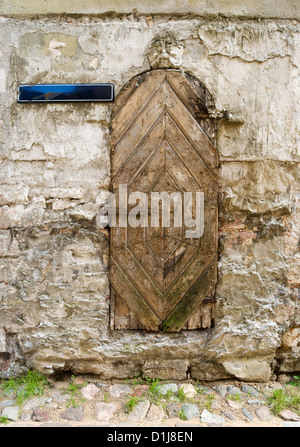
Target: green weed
[[3, 420], [181, 396], [72, 402], [153, 390], [132, 403], [168, 395], [234, 397], [209, 400], [153, 385], [74, 389], [182, 416], [33, 384], [284, 399]]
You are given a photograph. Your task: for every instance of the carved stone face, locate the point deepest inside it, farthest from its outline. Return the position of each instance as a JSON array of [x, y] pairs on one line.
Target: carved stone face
[[165, 52]]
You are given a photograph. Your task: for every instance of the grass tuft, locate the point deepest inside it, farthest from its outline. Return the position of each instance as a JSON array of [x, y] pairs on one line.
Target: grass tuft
[[132, 403], [3, 420], [182, 415], [73, 389], [33, 384], [181, 395], [282, 399]]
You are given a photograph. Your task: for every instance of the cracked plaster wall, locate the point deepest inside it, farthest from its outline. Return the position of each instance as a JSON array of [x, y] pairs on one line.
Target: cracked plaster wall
[[55, 161]]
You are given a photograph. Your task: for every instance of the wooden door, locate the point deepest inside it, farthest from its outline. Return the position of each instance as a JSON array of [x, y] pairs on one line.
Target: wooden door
[[163, 140]]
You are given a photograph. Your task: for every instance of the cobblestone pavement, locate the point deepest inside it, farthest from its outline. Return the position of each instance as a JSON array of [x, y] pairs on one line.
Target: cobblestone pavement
[[84, 401]]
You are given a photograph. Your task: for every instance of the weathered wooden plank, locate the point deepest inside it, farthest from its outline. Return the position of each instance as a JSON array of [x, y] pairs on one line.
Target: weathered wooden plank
[[126, 91], [118, 237], [194, 322], [138, 277], [190, 157], [186, 182], [187, 93], [151, 263], [204, 96], [136, 103], [123, 149], [135, 236], [125, 318], [121, 314], [187, 277], [135, 165], [133, 298], [197, 100], [146, 176], [178, 169], [190, 301], [133, 320], [177, 262], [164, 246], [112, 307], [191, 129], [198, 171]]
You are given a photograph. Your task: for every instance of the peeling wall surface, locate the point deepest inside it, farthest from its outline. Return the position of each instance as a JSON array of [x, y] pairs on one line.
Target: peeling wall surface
[[55, 164]]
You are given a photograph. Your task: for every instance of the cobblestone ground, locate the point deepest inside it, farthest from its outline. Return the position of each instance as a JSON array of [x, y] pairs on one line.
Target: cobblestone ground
[[84, 401]]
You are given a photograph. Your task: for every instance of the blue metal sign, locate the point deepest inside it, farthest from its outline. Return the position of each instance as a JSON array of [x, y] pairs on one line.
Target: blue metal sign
[[66, 93]]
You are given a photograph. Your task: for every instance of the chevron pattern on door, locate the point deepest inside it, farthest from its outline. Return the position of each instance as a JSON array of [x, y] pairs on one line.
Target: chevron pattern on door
[[163, 140]]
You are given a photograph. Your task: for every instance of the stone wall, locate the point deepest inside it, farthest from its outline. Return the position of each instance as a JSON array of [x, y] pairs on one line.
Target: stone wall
[[55, 162]]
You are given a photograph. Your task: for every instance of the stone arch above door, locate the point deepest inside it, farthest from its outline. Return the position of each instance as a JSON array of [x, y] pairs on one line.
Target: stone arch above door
[[163, 139]]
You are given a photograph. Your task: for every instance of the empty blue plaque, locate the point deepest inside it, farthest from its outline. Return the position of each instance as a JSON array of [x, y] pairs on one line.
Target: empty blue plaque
[[66, 93]]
